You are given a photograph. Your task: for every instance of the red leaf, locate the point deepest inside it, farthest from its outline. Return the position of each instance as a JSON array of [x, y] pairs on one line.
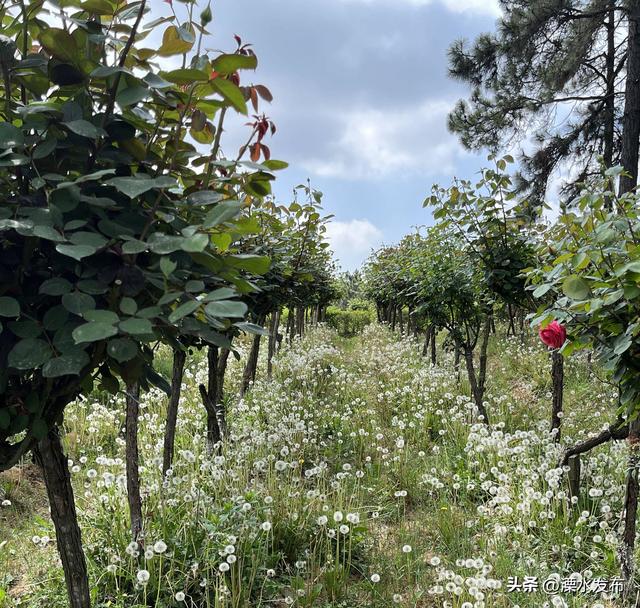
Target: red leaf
[[254, 98], [255, 152], [266, 151], [264, 92]]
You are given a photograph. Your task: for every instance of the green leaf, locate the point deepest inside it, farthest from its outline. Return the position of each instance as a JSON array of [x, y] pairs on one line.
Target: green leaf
[[84, 128], [69, 364], [222, 212], [275, 165], [231, 93], [60, 44], [204, 197], [195, 243], [576, 288], [185, 76], [167, 266], [77, 252], [93, 332], [163, 244], [25, 329], [135, 186], [55, 318], [228, 64], [9, 307], [256, 264], [89, 239], [132, 94], [136, 326], [252, 328], [128, 306], [541, 290], [78, 303], [183, 310], [226, 308], [29, 354], [135, 246], [10, 136], [122, 349], [102, 316], [223, 293], [173, 44], [55, 287]]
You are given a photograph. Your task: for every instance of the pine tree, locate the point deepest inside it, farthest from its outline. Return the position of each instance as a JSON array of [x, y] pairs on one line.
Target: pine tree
[[551, 79]]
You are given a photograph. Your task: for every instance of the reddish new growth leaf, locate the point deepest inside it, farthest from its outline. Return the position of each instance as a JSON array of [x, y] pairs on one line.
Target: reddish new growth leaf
[[261, 126]]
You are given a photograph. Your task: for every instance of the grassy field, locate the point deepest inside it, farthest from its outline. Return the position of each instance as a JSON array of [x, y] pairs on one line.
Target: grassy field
[[356, 477]]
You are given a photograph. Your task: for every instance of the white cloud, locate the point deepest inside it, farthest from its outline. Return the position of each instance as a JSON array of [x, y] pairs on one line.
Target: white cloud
[[352, 241], [484, 7], [378, 143]]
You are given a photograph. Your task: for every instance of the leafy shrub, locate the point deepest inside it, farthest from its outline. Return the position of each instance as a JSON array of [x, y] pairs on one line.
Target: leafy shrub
[[348, 322]]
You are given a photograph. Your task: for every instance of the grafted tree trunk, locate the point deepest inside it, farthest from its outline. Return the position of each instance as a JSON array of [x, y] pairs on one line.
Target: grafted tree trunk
[[179, 358], [477, 382], [55, 470], [133, 460], [456, 362], [251, 366], [557, 377], [212, 396], [214, 436], [627, 550], [290, 329], [433, 344], [300, 321], [425, 346], [221, 370], [273, 340], [629, 158]]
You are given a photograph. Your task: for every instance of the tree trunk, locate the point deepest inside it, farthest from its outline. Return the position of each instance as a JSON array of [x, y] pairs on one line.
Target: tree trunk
[[557, 377], [425, 346], [631, 119], [393, 319], [574, 476], [300, 321], [133, 460], [273, 338], [627, 549], [401, 320], [251, 366], [212, 398], [433, 344], [609, 103], [214, 436], [477, 391], [179, 358], [223, 360], [55, 470], [290, 329]]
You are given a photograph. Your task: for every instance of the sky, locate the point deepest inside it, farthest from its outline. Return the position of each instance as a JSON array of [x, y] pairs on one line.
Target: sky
[[361, 97]]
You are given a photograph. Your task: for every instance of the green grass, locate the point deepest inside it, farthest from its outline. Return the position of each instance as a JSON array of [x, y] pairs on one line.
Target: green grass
[[362, 427]]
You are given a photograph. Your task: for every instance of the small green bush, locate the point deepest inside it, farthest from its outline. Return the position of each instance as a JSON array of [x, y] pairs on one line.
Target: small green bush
[[348, 322]]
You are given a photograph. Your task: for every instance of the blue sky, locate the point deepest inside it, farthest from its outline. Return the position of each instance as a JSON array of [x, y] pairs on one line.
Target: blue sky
[[361, 96]]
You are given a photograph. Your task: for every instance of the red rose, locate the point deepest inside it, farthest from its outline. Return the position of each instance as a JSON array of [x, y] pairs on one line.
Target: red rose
[[553, 335]]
